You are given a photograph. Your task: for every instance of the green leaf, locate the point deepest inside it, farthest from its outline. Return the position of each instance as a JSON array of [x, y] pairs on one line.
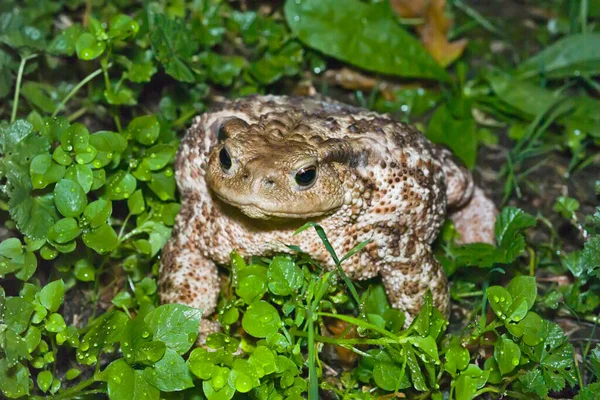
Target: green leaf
[[14, 380], [126, 383], [122, 26], [137, 344], [251, 283], [97, 212], [144, 129], [175, 324], [17, 313], [469, 381], [69, 198], [389, 376], [102, 239], [51, 296], [533, 328], [55, 323], [459, 134], [362, 34], [159, 156], [44, 171], [170, 373], [120, 186], [523, 288], [104, 331], [84, 271], [508, 230], [34, 215], [65, 42], [44, 380], [72, 374], [136, 203], [88, 47], [40, 95], [81, 174], [261, 319], [64, 231], [566, 206], [573, 55], [589, 392], [173, 46], [14, 346], [426, 345], [158, 234], [108, 142], [11, 248], [507, 354], [500, 299], [163, 184], [457, 358], [590, 256], [284, 276]]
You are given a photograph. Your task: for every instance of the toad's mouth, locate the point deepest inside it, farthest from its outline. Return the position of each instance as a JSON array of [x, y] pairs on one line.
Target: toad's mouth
[[253, 210]]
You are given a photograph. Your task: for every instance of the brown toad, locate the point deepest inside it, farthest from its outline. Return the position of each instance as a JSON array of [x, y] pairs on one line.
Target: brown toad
[[253, 170]]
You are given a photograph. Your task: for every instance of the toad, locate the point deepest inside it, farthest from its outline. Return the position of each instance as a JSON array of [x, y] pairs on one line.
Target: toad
[[253, 170]]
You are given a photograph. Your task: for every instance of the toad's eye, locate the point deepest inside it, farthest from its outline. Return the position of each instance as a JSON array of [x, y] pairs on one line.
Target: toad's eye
[[306, 176], [225, 159]]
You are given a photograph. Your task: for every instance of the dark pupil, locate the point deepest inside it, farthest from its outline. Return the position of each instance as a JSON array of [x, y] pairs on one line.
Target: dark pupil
[[225, 159], [306, 176]]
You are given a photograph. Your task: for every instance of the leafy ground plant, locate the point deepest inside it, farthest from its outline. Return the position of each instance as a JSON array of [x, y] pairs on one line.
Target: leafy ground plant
[[95, 96]]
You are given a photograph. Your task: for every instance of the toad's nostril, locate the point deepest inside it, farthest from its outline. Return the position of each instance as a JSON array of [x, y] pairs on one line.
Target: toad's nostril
[[245, 177], [269, 182]]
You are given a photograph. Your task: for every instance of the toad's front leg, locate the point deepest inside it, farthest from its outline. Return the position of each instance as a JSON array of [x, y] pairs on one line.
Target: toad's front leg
[[407, 282], [189, 278]]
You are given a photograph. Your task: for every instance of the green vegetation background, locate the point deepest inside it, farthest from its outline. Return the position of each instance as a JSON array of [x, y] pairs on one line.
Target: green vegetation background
[[95, 96]]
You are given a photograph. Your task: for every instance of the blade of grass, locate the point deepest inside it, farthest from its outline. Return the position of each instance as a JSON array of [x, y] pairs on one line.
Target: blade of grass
[[313, 384], [321, 232]]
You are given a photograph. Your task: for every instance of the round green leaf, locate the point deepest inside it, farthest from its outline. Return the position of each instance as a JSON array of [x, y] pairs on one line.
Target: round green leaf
[[144, 129], [534, 328], [11, 248], [69, 198], [44, 171], [388, 376], [507, 354], [72, 374], [102, 239], [64, 231], [120, 186], [84, 271], [284, 276], [55, 323], [500, 300], [81, 174], [261, 319], [159, 156], [88, 47], [252, 283], [97, 212]]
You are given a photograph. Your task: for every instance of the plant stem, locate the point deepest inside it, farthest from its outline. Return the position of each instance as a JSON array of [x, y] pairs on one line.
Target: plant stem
[[313, 384], [13, 116], [75, 90]]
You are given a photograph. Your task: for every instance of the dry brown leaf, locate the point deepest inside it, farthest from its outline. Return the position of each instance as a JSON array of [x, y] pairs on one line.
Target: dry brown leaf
[[341, 329], [434, 31]]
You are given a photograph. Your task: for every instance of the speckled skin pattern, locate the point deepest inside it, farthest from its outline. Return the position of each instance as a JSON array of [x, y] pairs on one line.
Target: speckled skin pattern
[[377, 179]]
